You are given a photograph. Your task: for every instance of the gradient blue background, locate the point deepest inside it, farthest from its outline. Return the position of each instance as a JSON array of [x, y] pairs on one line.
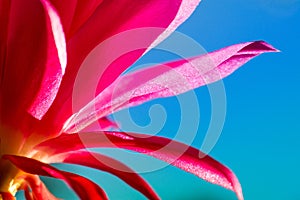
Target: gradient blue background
[[260, 141]]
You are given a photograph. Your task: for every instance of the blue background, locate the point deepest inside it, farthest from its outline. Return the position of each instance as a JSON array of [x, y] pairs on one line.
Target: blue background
[[260, 140]]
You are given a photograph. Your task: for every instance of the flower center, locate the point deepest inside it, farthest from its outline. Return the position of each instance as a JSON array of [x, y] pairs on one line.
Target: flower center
[[11, 142], [15, 143], [8, 181]]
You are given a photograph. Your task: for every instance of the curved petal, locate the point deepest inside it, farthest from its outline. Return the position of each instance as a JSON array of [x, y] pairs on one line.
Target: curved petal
[[28, 194], [33, 53], [84, 188], [165, 80], [186, 8], [55, 65], [102, 124], [125, 15], [106, 123], [120, 16], [110, 165], [74, 13], [180, 155], [38, 189]]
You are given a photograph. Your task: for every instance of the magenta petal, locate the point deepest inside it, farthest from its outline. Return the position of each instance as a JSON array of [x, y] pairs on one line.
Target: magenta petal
[[165, 80], [186, 8], [120, 16], [55, 66], [32, 58], [105, 123], [180, 155], [84, 188], [75, 13], [102, 124], [110, 165]]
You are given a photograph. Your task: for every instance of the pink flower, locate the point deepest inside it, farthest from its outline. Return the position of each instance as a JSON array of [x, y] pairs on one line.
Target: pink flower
[[43, 43]]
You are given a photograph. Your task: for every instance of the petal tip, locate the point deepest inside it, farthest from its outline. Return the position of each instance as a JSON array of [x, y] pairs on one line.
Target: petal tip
[[267, 47]]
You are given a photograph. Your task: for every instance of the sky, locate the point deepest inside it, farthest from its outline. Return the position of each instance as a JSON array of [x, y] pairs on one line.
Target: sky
[[260, 138]]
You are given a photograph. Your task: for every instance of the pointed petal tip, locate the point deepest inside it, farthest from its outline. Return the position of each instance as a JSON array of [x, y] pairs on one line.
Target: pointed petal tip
[[236, 186], [238, 191], [267, 47], [256, 47]]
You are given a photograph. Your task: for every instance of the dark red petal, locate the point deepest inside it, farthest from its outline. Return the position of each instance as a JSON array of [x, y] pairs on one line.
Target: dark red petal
[[84, 188], [7, 196], [180, 155], [28, 194], [110, 165], [167, 79]]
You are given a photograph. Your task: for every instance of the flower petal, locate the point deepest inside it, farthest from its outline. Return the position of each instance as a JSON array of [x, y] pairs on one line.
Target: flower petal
[[7, 196], [120, 16], [75, 13], [55, 66], [102, 124], [180, 155], [38, 189], [33, 58], [84, 188], [186, 8], [126, 15], [105, 123], [110, 165], [28, 194], [165, 80]]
